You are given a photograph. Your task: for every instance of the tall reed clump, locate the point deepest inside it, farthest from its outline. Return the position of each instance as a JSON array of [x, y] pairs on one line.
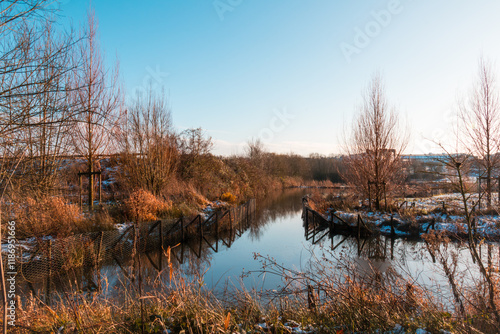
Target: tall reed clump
[[46, 216]]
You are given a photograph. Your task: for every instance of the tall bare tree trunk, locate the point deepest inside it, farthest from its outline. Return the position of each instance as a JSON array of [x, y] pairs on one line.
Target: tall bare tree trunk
[[479, 117], [374, 147], [97, 101]]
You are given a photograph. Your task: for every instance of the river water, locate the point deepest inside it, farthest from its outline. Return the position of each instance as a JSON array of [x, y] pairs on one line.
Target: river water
[[277, 232]]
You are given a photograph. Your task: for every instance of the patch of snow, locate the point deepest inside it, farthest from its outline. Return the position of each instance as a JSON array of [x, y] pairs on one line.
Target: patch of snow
[[123, 226]]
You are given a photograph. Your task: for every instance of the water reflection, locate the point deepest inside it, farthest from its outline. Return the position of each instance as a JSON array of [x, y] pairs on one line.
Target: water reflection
[[277, 205], [276, 230]]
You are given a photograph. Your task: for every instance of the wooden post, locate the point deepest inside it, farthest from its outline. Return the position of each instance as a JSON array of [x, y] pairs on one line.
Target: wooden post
[[160, 242], [200, 227], [498, 198], [49, 265], [80, 181], [161, 235], [392, 248], [479, 193], [99, 246], [201, 236], [217, 230], [100, 188], [332, 225], [182, 229], [314, 225], [359, 229], [369, 197], [385, 198], [393, 233], [307, 219], [247, 206], [97, 262], [230, 229], [310, 298]]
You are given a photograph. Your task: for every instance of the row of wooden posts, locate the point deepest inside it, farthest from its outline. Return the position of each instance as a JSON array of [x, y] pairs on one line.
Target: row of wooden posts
[[48, 259], [336, 225]]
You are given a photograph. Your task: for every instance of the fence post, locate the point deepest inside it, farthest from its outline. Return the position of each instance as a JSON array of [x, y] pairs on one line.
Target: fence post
[[369, 197], [99, 247], [217, 231], [49, 264], [247, 206], [230, 228], [385, 198], [393, 233], [359, 229], [200, 227], [98, 270], [314, 224], [100, 188], [332, 224], [310, 298], [200, 248], [160, 246], [161, 235], [307, 218], [80, 181], [182, 229], [479, 193]]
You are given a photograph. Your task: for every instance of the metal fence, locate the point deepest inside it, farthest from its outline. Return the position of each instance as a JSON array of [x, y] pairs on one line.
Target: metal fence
[[42, 258]]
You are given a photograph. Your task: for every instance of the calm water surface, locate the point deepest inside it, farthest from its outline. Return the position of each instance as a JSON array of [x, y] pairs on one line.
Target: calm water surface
[[277, 231]]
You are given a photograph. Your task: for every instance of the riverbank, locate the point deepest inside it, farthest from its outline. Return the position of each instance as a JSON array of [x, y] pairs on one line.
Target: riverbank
[[355, 288], [410, 217], [55, 216], [176, 304]]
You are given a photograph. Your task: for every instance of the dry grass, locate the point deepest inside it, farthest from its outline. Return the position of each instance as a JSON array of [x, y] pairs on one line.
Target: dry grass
[[48, 216], [175, 303], [322, 202], [144, 206], [343, 299]]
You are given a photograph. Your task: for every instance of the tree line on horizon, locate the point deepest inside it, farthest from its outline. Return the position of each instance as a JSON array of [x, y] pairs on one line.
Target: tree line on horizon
[[58, 99]]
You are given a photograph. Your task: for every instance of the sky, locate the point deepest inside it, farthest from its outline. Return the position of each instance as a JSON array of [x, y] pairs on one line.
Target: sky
[[292, 72]]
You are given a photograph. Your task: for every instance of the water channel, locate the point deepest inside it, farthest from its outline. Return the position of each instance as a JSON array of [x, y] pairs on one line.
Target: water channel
[[276, 231]]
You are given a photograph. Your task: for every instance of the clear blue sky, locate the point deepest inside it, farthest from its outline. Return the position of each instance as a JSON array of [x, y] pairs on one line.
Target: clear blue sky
[[279, 70]]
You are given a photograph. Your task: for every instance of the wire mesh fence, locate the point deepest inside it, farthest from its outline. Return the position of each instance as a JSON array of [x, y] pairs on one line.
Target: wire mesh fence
[[41, 258]]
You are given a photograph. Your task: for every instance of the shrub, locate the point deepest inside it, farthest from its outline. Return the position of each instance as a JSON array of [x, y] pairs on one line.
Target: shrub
[[144, 206], [228, 197], [101, 220], [48, 216]]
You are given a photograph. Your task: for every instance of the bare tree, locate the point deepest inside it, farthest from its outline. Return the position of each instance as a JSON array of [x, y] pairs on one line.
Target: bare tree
[[13, 65], [44, 111], [97, 101], [194, 147], [374, 147], [458, 166], [149, 144], [479, 117]]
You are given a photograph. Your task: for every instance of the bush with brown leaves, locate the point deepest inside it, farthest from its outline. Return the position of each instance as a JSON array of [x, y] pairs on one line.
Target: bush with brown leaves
[[144, 206]]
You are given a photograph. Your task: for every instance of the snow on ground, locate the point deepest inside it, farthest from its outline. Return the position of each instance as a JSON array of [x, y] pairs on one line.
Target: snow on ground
[[123, 226], [487, 226], [450, 201]]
